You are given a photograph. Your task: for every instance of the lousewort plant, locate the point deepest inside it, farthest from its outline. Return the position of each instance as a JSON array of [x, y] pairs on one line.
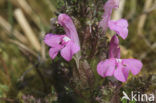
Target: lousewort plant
[[68, 45]]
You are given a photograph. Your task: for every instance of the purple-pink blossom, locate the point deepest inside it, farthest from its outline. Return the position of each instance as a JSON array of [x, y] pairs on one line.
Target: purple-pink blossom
[[108, 7], [114, 66], [119, 68], [67, 44], [120, 27]]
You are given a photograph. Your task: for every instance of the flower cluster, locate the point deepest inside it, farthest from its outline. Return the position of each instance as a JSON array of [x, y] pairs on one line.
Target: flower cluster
[[114, 66], [68, 44]]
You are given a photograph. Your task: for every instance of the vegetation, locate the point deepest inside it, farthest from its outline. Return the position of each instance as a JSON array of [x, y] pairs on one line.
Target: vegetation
[[28, 75]]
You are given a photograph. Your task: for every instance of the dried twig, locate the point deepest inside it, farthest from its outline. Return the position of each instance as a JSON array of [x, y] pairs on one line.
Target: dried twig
[[24, 47], [7, 27], [28, 10], [150, 9], [51, 7], [118, 12], [133, 5], [141, 24], [43, 50], [25, 6], [27, 29], [143, 17]]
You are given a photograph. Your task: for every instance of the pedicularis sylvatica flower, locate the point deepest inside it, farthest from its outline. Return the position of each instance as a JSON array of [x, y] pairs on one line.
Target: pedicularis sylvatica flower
[[108, 7], [114, 66], [68, 44]]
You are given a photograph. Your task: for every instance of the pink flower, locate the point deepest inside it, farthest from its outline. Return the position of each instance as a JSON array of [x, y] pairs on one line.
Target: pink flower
[[119, 68], [108, 7], [114, 66], [67, 44], [120, 27]]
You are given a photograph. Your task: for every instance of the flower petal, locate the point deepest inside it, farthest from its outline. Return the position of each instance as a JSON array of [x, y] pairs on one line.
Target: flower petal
[[69, 27], [106, 68], [114, 49], [121, 73], [69, 50], [53, 52], [120, 27], [108, 7], [53, 40], [133, 65]]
